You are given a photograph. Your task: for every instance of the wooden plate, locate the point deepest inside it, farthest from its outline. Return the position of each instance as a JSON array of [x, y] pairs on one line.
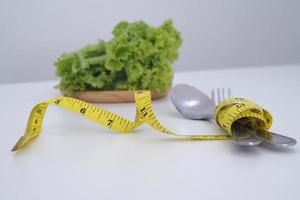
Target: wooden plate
[[111, 96]]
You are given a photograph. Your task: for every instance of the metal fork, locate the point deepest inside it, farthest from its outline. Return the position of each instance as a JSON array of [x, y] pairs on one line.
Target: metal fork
[[221, 95], [241, 134]]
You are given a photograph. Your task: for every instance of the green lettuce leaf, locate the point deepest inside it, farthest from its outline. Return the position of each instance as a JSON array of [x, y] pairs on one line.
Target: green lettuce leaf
[[137, 57]]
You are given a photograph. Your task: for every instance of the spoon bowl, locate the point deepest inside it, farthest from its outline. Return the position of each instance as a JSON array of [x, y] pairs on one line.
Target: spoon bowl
[[191, 102]]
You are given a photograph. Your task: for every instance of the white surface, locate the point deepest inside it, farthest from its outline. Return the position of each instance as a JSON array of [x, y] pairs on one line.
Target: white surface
[[216, 33], [76, 159]]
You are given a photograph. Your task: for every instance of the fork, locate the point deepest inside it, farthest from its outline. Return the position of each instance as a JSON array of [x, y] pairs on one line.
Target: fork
[[194, 104], [221, 95], [245, 135], [241, 134]]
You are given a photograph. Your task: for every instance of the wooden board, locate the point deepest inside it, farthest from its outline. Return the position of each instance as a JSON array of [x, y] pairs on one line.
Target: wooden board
[[111, 96]]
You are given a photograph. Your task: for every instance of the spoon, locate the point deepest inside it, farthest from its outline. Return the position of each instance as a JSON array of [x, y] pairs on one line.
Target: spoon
[[194, 104]]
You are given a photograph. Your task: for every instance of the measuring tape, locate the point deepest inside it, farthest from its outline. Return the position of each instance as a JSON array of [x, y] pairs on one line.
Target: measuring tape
[[227, 112], [244, 111]]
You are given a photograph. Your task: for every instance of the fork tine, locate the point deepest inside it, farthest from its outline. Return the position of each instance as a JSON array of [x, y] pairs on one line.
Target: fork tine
[[219, 95], [223, 93], [212, 96]]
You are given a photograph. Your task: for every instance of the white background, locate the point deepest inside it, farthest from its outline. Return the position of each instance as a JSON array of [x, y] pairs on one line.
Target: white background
[[216, 33]]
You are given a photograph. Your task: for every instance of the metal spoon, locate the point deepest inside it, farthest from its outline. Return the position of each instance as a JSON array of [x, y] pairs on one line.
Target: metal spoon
[[194, 104]]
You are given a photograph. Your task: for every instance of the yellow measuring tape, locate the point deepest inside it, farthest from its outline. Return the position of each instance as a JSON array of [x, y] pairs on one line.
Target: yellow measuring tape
[[227, 112]]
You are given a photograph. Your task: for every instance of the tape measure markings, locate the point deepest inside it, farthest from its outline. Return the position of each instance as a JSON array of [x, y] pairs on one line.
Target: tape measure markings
[[227, 112]]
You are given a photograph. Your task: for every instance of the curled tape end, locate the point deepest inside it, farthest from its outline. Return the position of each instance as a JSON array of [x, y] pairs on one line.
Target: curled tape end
[[18, 145]]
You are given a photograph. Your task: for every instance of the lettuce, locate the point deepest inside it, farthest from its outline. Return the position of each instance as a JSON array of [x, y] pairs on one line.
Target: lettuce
[[137, 57]]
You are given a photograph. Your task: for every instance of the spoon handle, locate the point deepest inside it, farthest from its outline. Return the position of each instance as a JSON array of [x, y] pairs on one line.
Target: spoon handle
[[245, 136], [276, 139]]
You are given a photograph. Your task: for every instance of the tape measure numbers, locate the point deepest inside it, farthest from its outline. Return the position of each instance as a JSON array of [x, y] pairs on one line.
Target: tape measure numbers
[[243, 110], [227, 112]]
